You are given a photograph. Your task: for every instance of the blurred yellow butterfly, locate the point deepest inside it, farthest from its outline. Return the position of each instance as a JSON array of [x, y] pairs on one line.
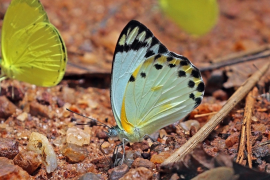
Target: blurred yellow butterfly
[[196, 17], [32, 49]]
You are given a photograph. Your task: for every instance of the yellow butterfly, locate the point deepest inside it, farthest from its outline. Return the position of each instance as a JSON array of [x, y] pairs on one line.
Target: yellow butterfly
[[196, 17], [32, 49]]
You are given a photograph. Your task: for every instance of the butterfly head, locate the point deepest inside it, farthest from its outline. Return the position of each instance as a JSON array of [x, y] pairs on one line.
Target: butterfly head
[[113, 131]]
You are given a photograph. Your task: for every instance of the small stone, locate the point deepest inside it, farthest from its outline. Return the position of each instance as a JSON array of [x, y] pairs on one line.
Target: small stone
[[8, 148], [77, 136], [7, 108], [68, 95], [131, 155], [10, 171], [186, 125], [140, 145], [22, 117], [74, 153], [101, 134], [45, 98], [40, 144], [90, 176], [28, 160], [118, 172], [140, 173], [160, 158], [37, 109], [232, 139], [140, 162]]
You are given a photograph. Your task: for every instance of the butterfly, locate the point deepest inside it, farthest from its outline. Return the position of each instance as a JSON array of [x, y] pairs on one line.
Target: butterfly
[[151, 87], [32, 49]]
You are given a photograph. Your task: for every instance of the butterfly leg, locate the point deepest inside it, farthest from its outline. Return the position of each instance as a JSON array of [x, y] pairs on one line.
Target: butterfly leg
[[115, 154]]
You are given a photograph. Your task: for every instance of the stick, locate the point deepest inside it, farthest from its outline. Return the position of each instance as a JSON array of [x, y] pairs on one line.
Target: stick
[[248, 130], [216, 119], [245, 129], [230, 62]]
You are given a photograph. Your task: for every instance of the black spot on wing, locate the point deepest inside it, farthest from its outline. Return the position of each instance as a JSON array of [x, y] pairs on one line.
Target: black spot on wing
[[157, 56], [191, 95], [131, 79], [154, 41], [169, 58], [181, 73], [162, 49], [172, 65], [200, 87], [143, 75], [158, 66], [195, 73], [119, 48], [136, 45], [183, 63], [191, 84], [149, 53], [198, 101]]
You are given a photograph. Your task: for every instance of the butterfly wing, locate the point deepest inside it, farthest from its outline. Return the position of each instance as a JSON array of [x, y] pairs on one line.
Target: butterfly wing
[[165, 89], [136, 43], [151, 86], [33, 50]]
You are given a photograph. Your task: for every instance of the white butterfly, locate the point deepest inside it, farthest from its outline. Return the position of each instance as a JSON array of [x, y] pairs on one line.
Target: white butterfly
[[151, 87]]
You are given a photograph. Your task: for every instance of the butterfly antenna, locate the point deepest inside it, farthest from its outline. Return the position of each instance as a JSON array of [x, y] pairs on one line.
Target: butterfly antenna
[[88, 118]]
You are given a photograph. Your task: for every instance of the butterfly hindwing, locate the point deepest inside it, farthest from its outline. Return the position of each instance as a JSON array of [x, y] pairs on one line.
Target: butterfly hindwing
[[164, 89], [136, 43]]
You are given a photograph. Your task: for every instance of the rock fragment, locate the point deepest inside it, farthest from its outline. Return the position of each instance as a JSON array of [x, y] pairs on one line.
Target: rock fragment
[[28, 160], [77, 136], [40, 144], [8, 148], [140, 173], [118, 172], [74, 153], [10, 171]]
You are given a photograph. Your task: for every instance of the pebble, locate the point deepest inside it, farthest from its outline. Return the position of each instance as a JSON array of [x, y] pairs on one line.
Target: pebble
[[28, 160], [160, 158], [8, 148], [131, 155], [140, 173], [40, 144], [37, 109], [118, 172], [10, 171], [90, 176], [7, 108], [232, 139], [140, 145], [188, 124], [74, 153], [22, 117], [77, 136], [140, 162]]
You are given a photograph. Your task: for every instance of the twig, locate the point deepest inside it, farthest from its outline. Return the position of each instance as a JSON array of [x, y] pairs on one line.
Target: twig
[[203, 115], [216, 119], [230, 62], [242, 54], [249, 147], [246, 128]]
